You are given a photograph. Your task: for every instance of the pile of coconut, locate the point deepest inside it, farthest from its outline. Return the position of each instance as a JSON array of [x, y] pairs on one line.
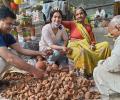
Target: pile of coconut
[[58, 85]]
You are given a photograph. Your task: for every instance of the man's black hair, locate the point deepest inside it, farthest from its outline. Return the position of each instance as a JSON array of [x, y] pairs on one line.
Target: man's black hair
[[6, 12]]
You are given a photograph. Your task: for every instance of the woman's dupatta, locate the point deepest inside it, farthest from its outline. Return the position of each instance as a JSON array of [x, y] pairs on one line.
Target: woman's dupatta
[[83, 31]]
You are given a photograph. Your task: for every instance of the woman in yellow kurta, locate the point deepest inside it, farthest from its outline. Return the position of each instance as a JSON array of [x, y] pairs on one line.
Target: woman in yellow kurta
[[86, 52]]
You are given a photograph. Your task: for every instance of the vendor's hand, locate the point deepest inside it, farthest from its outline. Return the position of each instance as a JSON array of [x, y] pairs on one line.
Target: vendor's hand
[[64, 48], [38, 73], [93, 47], [40, 58], [49, 52], [69, 51], [100, 62], [46, 75], [43, 54], [62, 52]]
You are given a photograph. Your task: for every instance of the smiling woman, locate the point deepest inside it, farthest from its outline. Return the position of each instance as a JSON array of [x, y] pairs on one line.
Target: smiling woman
[[86, 52], [54, 37]]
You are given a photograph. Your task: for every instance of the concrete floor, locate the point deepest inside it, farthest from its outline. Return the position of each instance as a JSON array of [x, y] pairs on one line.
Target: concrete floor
[[100, 35], [111, 97]]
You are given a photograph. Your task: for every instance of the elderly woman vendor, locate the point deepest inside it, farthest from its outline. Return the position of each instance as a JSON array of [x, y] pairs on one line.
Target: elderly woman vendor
[[86, 52]]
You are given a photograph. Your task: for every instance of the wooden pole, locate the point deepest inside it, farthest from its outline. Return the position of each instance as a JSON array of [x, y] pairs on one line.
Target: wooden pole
[[117, 8]]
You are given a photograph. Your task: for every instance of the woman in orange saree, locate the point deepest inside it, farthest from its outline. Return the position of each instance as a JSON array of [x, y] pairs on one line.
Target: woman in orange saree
[[86, 52]]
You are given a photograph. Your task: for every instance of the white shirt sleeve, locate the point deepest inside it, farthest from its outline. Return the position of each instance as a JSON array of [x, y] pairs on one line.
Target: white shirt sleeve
[[47, 36], [112, 63], [97, 13], [102, 14]]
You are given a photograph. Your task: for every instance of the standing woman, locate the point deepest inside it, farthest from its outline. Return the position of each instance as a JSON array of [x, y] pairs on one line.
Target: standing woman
[[86, 52], [54, 37]]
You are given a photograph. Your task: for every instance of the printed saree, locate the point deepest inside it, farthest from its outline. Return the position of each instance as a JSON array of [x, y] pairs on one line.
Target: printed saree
[[82, 55]]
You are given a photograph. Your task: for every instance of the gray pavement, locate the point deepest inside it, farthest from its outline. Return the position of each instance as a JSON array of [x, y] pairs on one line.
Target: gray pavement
[[101, 35]]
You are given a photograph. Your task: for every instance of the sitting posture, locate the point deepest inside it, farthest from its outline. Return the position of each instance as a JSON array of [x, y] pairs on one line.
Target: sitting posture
[[7, 57], [99, 16], [107, 72], [85, 51], [54, 37]]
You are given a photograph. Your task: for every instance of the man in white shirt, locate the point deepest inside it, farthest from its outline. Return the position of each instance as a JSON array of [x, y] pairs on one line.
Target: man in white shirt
[[99, 15], [107, 72]]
